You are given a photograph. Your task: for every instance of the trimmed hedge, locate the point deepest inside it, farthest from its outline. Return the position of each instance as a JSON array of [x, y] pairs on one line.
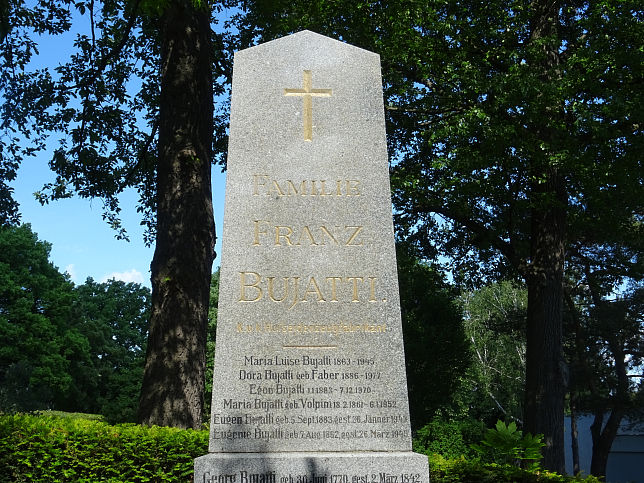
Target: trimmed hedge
[[55, 448]]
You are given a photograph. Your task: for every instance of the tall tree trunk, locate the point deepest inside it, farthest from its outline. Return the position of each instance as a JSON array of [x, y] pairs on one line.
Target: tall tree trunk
[[545, 383], [173, 383]]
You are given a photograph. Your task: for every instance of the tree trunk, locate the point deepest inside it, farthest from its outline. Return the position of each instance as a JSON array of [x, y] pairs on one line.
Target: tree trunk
[[603, 437], [173, 382], [545, 383], [574, 438]]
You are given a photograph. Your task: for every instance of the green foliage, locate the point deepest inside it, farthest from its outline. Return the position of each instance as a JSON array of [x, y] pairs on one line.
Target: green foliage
[[38, 341], [46, 449], [210, 342], [495, 320], [77, 448], [462, 470], [450, 439], [64, 347], [436, 349], [505, 444], [63, 414], [114, 319]]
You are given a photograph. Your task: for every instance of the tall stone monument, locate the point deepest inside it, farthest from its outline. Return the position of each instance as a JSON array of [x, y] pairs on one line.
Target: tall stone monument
[[309, 382]]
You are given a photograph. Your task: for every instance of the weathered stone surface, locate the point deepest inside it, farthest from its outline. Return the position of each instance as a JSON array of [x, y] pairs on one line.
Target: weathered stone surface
[[309, 344], [369, 467]]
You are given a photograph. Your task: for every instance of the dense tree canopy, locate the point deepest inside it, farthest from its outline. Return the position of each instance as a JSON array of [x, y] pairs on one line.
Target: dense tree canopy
[[64, 347], [43, 357], [437, 353], [113, 316]]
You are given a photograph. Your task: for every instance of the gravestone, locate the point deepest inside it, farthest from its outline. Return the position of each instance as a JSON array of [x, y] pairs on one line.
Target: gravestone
[[309, 383]]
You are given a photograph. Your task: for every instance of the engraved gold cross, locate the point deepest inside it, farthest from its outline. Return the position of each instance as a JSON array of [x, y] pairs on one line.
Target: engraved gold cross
[[307, 94]]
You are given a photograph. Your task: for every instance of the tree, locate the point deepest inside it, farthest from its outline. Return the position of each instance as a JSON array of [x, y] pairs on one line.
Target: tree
[[620, 342], [157, 139], [38, 340], [113, 316], [173, 383], [603, 298], [211, 341], [436, 350], [513, 131], [67, 348], [606, 351], [495, 319]]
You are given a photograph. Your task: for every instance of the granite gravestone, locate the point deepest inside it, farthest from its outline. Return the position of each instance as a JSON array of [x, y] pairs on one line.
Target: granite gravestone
[[309, 383]]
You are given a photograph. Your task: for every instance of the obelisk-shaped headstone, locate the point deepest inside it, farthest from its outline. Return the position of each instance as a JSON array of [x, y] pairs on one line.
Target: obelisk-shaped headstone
[[309, 368]]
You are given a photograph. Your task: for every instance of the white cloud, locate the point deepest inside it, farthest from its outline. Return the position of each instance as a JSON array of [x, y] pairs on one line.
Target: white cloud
[[71, 271], [132, 275]]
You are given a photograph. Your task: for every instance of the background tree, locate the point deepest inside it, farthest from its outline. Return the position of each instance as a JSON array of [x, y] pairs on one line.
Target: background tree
[[604, 341], [113, 316], [495, 318], [437, 354], [43, 357], [606, 350], [513, 129], [211, 342], [62, 347], [156, 138], [620, 343]]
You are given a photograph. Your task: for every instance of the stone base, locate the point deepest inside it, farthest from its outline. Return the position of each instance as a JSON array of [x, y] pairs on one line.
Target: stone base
[[328, 467]]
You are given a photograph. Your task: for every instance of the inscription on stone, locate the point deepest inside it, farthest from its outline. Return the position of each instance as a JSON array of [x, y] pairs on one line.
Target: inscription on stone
[[309, 378]]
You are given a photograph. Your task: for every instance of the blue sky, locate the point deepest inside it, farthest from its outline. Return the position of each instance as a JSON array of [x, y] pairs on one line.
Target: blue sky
[[83, 245]]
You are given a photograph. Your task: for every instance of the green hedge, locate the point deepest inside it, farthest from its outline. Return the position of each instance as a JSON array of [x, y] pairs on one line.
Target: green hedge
[[52, 449], [451, 439], [55, 448], [442, 470]]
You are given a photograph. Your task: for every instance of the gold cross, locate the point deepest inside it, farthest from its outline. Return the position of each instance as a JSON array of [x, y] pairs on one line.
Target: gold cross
[[307, 94]]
